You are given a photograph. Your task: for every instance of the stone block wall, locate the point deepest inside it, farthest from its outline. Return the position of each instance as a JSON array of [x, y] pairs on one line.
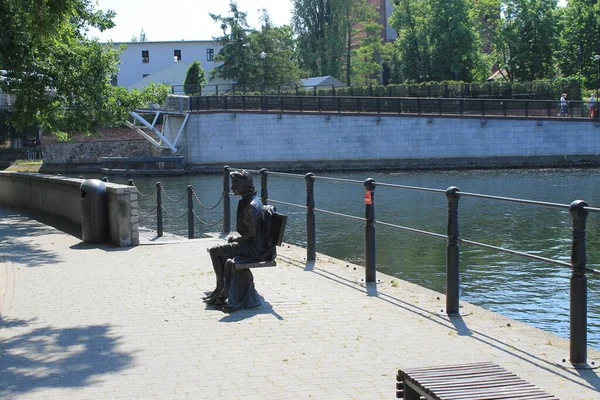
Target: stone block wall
[[368, 140], [91, 152]]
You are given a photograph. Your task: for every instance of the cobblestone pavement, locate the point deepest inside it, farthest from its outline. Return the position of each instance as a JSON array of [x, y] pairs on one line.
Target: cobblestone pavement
[[91, 322]]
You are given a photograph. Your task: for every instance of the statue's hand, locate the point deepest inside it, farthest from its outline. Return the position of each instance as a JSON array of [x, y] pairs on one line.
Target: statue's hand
[[230, 239]]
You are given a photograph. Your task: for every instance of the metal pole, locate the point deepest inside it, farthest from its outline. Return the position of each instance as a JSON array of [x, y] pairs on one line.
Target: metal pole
[[452, 253], [264, 193], [226, 201], [159, 210], [370, 273], [311, 254], [578, 319], [190, 192]]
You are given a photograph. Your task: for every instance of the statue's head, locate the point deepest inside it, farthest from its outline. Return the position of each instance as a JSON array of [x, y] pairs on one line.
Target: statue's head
[[241, 183]]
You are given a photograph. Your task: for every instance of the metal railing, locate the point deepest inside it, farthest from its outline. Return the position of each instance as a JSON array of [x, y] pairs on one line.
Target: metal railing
[[578, 211], [392, 106]]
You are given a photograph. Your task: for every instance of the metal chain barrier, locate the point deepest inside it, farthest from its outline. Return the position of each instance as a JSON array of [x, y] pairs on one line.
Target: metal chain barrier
[[202, 204], [204, 222], [146, 211], [181, 216], [144, 194], [174, 201]]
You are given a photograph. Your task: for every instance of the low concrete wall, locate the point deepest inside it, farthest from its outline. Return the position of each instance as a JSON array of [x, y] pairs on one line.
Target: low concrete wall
[[59, 198]]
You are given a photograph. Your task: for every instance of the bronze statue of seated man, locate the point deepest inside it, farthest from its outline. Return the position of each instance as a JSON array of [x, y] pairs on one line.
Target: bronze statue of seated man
[[235, 288]]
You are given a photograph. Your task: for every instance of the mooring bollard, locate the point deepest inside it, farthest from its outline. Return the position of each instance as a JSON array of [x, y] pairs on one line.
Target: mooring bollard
[[130, 182], [370, 272], [452, 253], [578, 320], [226, 201], [159, 214], [311, 252], [264, 194]]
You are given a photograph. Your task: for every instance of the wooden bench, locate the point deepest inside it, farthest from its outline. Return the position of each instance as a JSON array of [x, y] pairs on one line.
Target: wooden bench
[[483, 380], [277, 229]]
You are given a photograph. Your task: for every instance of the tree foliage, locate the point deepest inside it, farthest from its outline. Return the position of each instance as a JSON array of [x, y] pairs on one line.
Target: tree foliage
[[261, 58], [61, 79], [194, 79], [437, 40], [526, 39]]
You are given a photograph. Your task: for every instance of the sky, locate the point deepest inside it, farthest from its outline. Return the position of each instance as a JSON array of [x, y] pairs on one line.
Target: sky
[[166, 20]]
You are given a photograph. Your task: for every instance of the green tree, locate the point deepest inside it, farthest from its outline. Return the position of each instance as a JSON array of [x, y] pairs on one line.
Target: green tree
[[437, 40], [579, 40], [370, 55], [235, 52], [526, 39], [60, 78], [194, 79]]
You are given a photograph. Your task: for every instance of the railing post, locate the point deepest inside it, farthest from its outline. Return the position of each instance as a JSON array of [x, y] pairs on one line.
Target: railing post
[[190, 213], [370, 273], [578, 319], [226, 201], [159, 210], [452, 253], [264, 194], [311, 253]]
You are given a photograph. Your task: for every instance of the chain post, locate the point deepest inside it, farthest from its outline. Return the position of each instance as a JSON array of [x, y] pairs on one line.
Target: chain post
[[190, 213], [159, 210], [311, 254], [226, 201], [370, 272], [264, 193], [452, 253], [578, 295]]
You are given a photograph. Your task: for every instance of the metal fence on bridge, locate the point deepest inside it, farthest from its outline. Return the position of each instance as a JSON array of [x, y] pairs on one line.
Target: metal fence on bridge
[[392, 106]]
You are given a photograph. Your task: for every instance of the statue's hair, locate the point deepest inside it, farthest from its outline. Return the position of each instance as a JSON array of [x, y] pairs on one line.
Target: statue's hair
[[246, 179]]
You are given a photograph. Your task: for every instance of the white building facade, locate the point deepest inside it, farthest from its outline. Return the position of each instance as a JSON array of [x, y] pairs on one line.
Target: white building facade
[[142, 59]]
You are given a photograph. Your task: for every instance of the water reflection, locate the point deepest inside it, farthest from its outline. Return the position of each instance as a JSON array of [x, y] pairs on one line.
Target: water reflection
[[526, 290]]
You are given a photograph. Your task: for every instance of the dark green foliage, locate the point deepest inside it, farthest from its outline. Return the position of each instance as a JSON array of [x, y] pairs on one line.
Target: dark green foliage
[[194, 79]]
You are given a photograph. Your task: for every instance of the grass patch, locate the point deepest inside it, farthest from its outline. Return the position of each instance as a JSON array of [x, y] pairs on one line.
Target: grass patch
[[25, 166]]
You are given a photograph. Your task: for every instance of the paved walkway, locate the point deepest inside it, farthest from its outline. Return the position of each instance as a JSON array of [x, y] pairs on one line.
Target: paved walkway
[[86, 322]]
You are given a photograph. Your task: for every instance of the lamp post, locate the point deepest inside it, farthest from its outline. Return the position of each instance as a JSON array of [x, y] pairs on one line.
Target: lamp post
[[597, 59], [263, 55]]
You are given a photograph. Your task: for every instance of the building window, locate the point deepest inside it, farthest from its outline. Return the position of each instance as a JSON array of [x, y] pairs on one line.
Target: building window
[[145, 75], [114, 81], [210, 54], [177, 55], [145, 56]]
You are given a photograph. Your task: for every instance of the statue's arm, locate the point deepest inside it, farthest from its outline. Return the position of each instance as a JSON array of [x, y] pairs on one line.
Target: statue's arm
[[249, 231]]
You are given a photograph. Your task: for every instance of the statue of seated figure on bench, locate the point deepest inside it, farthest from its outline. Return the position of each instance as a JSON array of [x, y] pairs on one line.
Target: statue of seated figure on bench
[[235, 288]]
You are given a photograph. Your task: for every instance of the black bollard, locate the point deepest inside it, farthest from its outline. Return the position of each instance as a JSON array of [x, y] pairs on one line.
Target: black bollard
[[130, 182], [452, 253], [190, 213], [311, 253], [578, 320], [226, 201], [264, 193], [105, 179], [159, 210], [370, 272]]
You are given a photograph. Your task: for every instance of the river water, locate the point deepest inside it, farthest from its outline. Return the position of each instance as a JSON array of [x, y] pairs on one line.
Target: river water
[[530, 291]]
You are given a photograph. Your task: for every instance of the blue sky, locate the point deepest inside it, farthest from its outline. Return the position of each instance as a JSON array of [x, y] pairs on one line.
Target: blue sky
[[181, 19]]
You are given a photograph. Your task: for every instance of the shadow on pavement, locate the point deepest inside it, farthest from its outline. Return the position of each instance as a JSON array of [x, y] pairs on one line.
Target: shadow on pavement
[[47, 357]]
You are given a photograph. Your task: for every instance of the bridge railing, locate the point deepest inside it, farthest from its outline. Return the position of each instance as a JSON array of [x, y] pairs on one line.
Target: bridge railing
[[392, 105]]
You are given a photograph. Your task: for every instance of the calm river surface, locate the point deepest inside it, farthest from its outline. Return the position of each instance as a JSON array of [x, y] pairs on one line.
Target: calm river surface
[[522, 289]]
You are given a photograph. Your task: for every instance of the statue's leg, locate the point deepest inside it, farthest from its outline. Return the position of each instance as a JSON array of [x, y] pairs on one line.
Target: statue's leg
[[219, 255]]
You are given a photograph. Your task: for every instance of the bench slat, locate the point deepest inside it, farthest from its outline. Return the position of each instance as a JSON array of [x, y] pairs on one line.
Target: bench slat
[[260, 264]]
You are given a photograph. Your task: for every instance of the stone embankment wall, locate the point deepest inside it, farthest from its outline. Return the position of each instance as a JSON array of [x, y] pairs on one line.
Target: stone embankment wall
[[310, 142], [84, 152], [59, 198]]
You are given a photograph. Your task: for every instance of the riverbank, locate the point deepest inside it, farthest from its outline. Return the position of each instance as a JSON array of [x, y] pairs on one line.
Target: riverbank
[[130, 323]]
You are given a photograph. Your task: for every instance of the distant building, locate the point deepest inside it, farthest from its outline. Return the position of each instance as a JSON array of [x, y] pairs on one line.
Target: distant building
[[385, 9], [324, 82], [140, 60]]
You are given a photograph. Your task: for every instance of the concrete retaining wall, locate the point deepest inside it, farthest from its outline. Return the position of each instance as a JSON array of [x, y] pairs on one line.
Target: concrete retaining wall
[[59, 198], [369, 140]]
